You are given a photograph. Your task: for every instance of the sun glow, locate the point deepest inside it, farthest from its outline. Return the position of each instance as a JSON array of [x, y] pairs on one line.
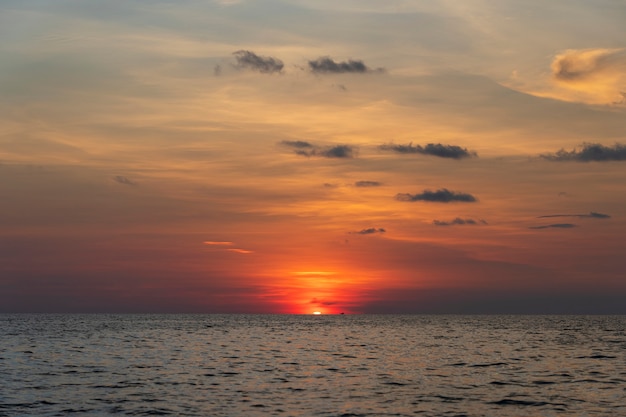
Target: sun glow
[[313, 289]]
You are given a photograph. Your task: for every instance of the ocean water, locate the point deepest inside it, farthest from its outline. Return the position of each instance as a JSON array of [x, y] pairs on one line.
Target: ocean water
[[282, 365]]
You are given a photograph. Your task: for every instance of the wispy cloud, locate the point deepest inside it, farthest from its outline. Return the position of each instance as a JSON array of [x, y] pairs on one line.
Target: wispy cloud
[[556, 226], [241, 251], [298, 144], [221, 246], [367, 184], [579, 65], [434, 149], [370, 231], [319, 302], [592, 215], [309, 150], [262, 64], [326, 65], [440, 196], [123, 180], [338, 151], [595, 75], [590, 152], [459, 221]]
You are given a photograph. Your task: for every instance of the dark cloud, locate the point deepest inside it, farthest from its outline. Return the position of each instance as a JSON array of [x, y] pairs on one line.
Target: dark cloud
[[310, 150], [440, 196], [263, 64], [557, 226], [435, 149], [123, 180], [337, 151], [459, 221], [300, 144], [322, 303], [326, 65], [367, 184], [592, 215], [370, 231], [590, 152]]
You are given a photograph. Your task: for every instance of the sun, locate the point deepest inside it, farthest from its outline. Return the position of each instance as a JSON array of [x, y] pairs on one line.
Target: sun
[[317, 313]]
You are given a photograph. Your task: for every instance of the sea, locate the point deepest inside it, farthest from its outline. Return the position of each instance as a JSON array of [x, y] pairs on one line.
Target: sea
[[307, 365]]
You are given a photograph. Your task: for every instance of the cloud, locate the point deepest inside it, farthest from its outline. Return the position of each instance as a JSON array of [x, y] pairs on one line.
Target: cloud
[[322, 303], [123, 180], [576, 65], [299, 144], [459, 221], [592, 215], [263, 64], [590, 152], [557, 226], [440, 196], [338, 151], [226, 243], [596, 76], [309, 150], [370, 231], [241, 251], [326, 65], [367, 184], [435, 149]]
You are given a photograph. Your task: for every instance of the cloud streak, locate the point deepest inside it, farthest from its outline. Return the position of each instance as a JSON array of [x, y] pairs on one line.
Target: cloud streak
[[366, 184], [440, 196], [592, 215], [298, 144], [309, 150], [589, 152], [370, 231], [262, 64], [326, 65], [434, 149], [221, 244], [216, 243], [555, 226], [322, 303], [123, 180], [240, 251], [459, 221]]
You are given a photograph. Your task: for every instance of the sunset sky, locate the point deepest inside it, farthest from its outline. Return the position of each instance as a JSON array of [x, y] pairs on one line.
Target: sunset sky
[[292, 156]]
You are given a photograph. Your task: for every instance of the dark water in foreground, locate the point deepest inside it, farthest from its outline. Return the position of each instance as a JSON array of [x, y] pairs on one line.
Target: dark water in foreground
[[240, 365]]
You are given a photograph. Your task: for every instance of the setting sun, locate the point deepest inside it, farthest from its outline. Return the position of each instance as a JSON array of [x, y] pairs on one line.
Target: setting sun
[[317, 313]]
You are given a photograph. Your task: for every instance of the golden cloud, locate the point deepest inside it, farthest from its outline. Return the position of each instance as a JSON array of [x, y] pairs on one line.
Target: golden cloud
[[595, 76]]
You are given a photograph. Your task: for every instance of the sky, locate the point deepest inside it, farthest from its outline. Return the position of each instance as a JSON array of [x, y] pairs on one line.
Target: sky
[[293, 156]]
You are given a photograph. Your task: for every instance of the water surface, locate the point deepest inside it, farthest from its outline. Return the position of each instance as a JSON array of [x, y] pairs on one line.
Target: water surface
[[281, 365]]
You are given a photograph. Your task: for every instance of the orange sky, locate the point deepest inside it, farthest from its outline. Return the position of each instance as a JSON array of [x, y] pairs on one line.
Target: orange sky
[[291, 157]]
